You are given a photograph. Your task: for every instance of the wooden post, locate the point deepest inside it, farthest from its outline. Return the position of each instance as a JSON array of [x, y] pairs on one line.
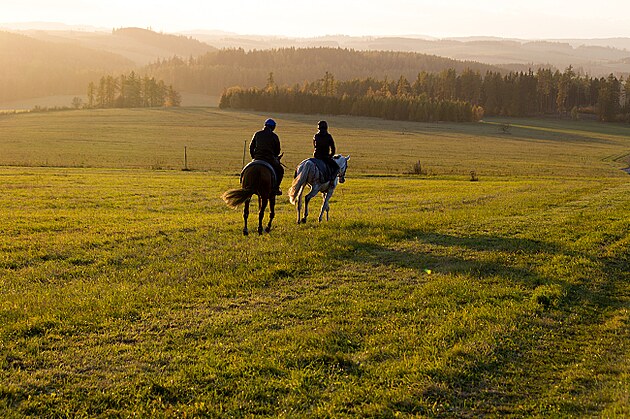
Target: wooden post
[[244, 151], [186, 169]]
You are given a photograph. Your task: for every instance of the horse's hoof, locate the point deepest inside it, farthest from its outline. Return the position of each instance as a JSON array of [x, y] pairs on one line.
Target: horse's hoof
[[260, 231], [303, 220], [245, 232], [267, 229]]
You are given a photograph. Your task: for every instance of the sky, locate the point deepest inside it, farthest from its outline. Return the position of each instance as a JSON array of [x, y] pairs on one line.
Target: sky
[[524, 19]]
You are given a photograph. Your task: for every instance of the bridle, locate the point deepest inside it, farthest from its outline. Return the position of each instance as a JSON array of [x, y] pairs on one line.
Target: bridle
[[342, 170]]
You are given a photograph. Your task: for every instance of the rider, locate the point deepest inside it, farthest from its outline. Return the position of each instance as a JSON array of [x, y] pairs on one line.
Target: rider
[[325, 147], [265, 146]]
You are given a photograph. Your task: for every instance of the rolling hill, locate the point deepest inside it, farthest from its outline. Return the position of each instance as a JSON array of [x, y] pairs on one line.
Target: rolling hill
[[40, 63], [597, 57], [60, 60], [31, 67], [141, 46], [49, 63]]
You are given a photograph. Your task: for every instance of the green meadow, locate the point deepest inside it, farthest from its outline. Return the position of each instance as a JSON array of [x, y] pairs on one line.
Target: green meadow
[[127, 288]]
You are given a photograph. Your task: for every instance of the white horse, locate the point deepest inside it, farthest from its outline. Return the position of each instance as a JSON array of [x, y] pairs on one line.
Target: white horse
[[308, 173]]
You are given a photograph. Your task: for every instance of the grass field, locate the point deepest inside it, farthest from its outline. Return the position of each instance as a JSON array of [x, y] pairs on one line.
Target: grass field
[[128, 289]]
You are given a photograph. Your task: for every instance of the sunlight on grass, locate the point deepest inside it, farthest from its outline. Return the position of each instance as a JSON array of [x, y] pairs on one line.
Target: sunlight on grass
[[132, 291]]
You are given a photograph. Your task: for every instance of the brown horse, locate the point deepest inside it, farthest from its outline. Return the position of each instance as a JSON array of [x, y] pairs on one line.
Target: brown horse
[[256, 179]]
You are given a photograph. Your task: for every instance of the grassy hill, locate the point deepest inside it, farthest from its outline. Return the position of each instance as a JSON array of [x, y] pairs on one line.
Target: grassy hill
[[130, 290], [36, 64], [141, 46], [32, 68], [137, 138]]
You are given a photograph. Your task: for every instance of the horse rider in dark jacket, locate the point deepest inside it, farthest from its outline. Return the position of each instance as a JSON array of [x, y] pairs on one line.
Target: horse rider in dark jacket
[[265, 146], [325, 147]]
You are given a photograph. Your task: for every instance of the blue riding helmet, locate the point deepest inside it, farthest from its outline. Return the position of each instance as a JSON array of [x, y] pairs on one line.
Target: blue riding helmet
[[270, 123]]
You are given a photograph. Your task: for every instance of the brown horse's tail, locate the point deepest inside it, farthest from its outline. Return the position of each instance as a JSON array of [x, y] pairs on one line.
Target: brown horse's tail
[[301, 177], [235, 197]]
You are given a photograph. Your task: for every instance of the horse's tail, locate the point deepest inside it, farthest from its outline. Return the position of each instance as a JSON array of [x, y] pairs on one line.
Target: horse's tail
[[235, 197], [301, 177]]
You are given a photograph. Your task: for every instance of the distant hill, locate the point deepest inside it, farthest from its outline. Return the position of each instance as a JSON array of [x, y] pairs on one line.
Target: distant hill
[[169, 45], [31, 68], [62, 60], [142, 46], [47, 26], [596, 57], [39, 63], [211, 73]]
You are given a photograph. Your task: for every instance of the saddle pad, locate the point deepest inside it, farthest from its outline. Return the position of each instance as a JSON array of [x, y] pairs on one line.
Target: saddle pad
[[325, 174], [260, 163]]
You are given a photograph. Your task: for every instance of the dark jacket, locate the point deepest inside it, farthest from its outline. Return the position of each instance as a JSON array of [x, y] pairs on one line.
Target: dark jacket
[[324, 145], [265, 145]]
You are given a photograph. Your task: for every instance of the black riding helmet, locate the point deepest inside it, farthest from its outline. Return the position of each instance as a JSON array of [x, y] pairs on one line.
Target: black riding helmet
[[322, 125], [270, 123]]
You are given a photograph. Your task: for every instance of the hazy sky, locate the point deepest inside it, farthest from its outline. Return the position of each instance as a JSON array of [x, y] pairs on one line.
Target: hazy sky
[[528, 19]]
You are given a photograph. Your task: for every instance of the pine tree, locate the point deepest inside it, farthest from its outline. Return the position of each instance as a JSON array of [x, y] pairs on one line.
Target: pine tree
[[271, 83], [608, 104], [564, 86], [173, 98], [91, 95], [403, 88]]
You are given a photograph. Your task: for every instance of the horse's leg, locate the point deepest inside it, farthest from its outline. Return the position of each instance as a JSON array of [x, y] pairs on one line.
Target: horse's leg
[[245, 215], [298, 203], [272, 211], [325, 204], [307, 199], [262, 204]]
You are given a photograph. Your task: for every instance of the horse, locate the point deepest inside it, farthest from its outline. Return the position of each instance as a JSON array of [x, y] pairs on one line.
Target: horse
[[308, 173], [256, 179]]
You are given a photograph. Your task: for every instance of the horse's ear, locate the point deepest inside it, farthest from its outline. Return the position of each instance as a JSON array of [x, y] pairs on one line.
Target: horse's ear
[[348, 158]]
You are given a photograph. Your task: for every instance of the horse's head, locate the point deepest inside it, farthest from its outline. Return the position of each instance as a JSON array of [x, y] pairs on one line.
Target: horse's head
[[342, 162]]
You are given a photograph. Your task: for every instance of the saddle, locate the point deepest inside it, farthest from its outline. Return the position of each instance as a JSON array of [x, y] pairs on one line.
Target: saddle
[[274, 177], [328, 169]]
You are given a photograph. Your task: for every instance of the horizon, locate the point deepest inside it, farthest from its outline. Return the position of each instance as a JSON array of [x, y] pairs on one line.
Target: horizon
[[298, 19], [54, 26]]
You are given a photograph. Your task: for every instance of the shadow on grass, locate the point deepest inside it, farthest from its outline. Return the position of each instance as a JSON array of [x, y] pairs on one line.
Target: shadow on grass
[[544, 347], [448, 254], [458, 255]]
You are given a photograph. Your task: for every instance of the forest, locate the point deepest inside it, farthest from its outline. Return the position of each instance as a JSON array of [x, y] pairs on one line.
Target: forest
[[446, 96], [131, 91], [213, 72], [395, 107]]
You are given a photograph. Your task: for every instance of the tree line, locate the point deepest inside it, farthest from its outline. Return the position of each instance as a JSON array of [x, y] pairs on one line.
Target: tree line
[[408, 108], [445, 95], [131, 91]]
